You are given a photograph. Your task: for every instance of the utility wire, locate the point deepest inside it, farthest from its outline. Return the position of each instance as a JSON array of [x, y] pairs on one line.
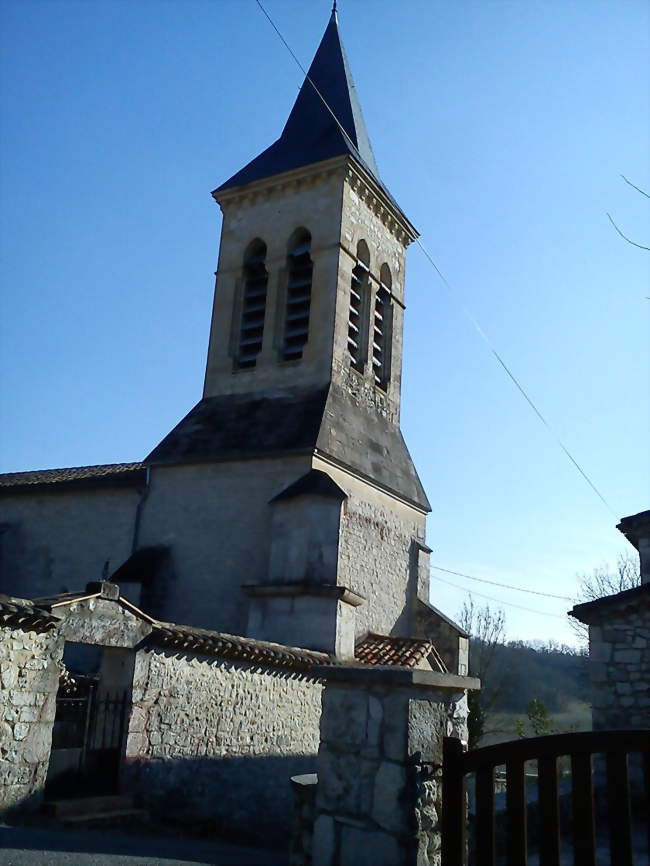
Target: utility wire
[[500, 601], [504, 585], [450, 288]]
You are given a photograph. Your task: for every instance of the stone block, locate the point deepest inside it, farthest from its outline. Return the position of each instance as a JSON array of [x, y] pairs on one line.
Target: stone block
[[345, 784], [37, 744], [344, 718], [627, 656], [28, 714], [324, 842], [8, 674], [369, 848], [20, 731], [600, 652], [427, 725], [389, 801], [395, 726]]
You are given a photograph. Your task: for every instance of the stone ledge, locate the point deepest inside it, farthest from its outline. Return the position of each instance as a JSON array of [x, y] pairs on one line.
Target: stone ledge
[[392, 676], [275, 590]]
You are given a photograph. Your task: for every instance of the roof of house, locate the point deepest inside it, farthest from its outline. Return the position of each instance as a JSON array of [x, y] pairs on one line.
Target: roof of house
[[24, 614], [373, 649], [207, 642], [634, 526], [326, 120], [108, 475], [380, 649], [591, 611]]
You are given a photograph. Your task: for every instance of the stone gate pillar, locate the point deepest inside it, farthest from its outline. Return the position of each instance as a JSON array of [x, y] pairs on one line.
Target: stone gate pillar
[[378, 796]]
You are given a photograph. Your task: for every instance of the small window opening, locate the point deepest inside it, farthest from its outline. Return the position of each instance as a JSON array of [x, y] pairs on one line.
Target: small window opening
[[357, 331], [300, 268], [381, 335], [254, 305]]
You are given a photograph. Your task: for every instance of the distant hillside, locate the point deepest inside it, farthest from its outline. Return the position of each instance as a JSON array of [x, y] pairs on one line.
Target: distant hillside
[[555, 675], [520, 672]]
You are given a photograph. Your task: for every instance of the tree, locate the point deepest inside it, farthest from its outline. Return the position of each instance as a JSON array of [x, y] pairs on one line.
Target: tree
[[539, 720], [486, 628], [603, 581]]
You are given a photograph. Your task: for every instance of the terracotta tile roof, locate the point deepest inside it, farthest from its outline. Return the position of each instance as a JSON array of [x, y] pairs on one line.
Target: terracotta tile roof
[[23, 614], [189, 639], [379, 649], [111, 474]]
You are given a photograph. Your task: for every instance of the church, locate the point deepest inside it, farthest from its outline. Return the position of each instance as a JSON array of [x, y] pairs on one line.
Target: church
[[198, 598], [285, 505]]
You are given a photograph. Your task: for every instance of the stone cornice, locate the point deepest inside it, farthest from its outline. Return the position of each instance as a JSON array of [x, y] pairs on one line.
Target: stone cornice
[[271, 187], [387, 211], [361, 181]]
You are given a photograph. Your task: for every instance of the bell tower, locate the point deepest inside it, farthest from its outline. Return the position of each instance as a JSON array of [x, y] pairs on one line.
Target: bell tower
[[304, 375]]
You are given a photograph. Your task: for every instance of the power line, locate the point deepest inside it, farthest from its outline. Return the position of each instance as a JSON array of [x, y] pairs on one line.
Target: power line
[[504, 585], [501, 601], [450, 288]]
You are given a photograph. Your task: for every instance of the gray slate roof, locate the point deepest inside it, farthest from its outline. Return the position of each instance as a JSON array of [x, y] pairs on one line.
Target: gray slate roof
[[296, 420], [311, 134]]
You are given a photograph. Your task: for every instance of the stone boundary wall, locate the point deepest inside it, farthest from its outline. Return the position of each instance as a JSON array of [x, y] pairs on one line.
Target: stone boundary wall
[[619, 663], [378, 802], [29, 679], [213, 743]]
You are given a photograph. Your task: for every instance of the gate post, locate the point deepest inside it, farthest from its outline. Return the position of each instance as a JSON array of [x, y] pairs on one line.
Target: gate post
[[378, 797]]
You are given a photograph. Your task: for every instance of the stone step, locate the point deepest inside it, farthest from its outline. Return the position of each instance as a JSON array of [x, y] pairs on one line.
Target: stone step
[[87, 806], [114, 818]]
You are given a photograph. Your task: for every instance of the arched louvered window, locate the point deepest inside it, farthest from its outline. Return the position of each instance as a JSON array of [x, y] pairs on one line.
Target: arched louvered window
[[253, 304], [299, 267], [357, 316], [381, 329]]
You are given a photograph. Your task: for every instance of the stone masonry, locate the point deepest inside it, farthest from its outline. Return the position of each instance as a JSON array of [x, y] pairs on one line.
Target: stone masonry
[[29, 672], [213, 743], [378, 800], [619, 664]]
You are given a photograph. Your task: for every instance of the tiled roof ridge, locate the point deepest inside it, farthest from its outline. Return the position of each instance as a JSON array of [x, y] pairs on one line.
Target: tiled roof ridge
[[208, 642], [22, 613], [67, 473], [381, 649]]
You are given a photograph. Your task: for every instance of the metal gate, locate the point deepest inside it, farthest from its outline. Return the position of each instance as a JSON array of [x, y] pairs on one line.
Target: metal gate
[[579, 783], [87, 742]]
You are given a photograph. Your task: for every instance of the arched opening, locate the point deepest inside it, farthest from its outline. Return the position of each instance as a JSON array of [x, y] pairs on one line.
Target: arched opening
[[357, 315], [256, 279], [382, 329], [299, 268]]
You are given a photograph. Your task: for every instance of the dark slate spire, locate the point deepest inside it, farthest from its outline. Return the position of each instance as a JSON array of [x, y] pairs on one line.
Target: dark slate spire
[[311, 134]]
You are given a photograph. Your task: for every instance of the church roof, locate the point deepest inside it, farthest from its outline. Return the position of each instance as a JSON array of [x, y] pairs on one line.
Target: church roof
[[312, 134], [111, 474], [299, 421], [313, 483]]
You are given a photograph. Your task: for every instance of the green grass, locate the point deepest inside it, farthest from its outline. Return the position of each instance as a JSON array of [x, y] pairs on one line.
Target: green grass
[[502, 727]]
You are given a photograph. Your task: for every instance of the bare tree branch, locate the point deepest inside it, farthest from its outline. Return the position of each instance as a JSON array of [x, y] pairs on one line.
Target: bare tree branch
[[634, 244], [638, 189], [605, 581]]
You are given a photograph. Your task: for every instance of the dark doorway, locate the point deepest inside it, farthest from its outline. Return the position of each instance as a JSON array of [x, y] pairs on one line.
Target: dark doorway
[[89, 726]]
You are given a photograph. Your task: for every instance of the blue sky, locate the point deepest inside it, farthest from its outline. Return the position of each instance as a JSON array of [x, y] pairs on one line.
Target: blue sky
[[500, 127]]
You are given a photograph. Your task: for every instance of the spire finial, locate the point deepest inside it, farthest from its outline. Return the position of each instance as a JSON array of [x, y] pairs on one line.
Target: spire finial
[[334, 8]]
